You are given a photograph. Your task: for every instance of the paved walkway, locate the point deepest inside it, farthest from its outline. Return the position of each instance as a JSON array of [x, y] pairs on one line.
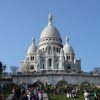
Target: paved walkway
[[10, 97], [45, 96]]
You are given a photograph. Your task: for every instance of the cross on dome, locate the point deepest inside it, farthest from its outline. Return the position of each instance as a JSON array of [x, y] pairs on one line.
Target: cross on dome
[[50, 18], [67, 38], [33, 40]]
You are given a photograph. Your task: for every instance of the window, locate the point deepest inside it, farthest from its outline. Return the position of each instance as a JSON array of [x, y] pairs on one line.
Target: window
[[53, 38], [68, 57], [57, 49], [43, 49], [32, 67], [32, 57], [43, 66], [50, 62], [54, 48]]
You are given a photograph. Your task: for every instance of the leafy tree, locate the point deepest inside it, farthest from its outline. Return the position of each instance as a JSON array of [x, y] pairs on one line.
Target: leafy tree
[[4, 68], [1, 68], [14, 69], [96, 70]]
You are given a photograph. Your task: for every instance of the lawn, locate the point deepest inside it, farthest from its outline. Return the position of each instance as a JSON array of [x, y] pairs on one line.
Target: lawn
[[63, 97]]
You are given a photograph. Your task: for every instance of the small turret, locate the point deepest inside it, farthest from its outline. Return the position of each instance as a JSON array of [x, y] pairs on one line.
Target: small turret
[[32, 48]]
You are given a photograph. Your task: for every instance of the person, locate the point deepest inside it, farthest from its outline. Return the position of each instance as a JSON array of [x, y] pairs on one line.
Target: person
[[67, 95], [40, 96], [95, 95], [24, 96], [17, 93], [28, 94], [1, 97], [86, 95]]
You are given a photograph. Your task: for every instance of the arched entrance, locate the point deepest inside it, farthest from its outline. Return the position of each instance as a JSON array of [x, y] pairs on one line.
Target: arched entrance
[[85, 83], [38, 83], [62, 83]]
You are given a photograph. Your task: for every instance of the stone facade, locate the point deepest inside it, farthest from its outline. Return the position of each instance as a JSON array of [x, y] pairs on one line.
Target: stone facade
[[50, 62], [50, 53], [55, 78]]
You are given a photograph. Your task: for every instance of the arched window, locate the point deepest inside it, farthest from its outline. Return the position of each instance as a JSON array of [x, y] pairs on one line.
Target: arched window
[[43, 49], [68, 57], [32, 57], [43, 65], [54, 48], [50, 62], [32, 67], [49, 50], [57, 49], [53, 38]]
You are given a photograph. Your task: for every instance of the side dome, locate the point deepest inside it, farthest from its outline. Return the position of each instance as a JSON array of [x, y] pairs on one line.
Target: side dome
[[50, 30], [67, 48], [32, 48]]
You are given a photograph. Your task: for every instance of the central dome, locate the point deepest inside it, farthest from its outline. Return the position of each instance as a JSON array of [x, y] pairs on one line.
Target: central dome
[[50, 30]]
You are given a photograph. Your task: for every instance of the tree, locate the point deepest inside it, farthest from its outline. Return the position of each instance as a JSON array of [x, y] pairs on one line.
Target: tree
[[96, 70], [4, 68], [14, 69], [1, 68]]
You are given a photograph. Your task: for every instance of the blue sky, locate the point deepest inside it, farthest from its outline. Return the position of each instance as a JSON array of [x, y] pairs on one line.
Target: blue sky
[[20, 20]]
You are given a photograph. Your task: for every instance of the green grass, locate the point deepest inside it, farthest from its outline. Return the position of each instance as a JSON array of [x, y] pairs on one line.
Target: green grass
[[63, 97], [57, 97]]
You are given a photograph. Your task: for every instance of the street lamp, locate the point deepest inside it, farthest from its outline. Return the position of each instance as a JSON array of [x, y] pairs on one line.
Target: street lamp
[[1, 68], [4, 67]]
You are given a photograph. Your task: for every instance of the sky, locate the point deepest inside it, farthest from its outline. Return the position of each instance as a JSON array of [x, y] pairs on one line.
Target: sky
[[20, 20]]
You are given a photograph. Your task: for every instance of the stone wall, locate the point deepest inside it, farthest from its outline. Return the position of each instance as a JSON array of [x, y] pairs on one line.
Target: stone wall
[[55, 78]]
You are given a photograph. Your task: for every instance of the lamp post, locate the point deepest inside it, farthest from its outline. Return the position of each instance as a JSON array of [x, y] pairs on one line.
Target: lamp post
[[4, 67], [28, 70], [1, 65]]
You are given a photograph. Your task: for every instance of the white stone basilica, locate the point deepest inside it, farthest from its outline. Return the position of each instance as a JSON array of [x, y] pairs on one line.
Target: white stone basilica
[[50, 55]]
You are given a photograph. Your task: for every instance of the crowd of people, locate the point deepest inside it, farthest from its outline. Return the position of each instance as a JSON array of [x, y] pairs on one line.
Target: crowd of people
[[87, 95], [27, 92], [23, 91], [34, 91]]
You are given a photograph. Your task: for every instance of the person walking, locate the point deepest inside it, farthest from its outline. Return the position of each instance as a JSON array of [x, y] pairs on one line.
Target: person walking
[[1, 97], [86, 95], [95, 95]]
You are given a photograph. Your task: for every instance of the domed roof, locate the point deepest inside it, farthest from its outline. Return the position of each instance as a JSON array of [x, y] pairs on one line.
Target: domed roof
[[67, 48], [50, 30], [32, 48]]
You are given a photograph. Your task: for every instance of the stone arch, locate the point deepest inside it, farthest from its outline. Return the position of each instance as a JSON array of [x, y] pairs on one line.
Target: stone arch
[[38, 82], [85, 83], [62, 83]]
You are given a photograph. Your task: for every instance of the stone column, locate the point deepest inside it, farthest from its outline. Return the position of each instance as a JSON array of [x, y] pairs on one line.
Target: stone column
[[46, 61], [52, 62]]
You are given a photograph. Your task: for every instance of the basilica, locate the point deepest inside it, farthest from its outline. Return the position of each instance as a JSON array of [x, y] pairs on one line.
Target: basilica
[[52, 62], [50, 54]]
